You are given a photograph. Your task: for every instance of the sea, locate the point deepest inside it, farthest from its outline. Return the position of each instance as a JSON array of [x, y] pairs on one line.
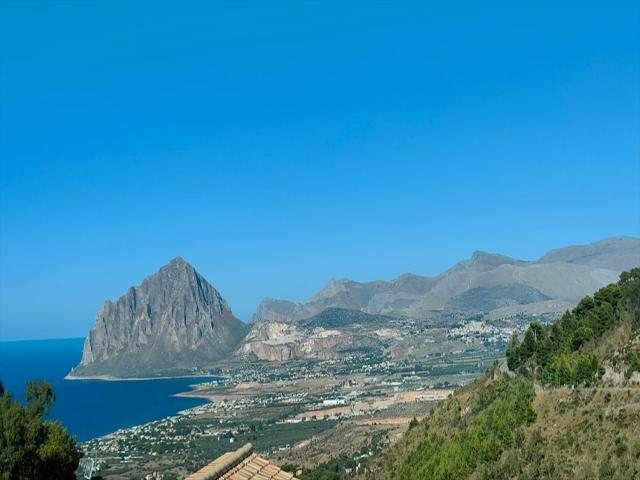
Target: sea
[[90, 408]]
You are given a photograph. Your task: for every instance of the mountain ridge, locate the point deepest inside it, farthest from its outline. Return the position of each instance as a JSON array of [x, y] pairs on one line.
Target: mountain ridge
[[563, 274], [176, 323]]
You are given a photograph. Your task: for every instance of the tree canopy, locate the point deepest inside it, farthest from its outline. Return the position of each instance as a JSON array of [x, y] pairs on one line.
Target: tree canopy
[[31, 447], [558, 354]]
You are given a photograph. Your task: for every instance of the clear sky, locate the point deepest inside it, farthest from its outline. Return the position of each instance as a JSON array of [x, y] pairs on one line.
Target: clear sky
[[277, 145]]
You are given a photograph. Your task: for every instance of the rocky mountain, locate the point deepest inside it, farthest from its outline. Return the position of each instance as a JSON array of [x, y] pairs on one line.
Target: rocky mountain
[[332, 334], [173, 323], [495, 285], [177, 323], [612, 253]]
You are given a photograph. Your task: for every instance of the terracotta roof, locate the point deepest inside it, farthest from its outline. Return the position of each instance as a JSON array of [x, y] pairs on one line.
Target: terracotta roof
[[243, 464]]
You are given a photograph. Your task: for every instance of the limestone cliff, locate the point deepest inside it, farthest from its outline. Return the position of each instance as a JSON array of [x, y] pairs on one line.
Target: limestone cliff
[[174, 322]]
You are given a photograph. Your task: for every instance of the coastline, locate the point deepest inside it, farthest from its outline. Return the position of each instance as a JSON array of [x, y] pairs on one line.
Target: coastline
[[95, 408], [180, 413], [111, 378], [193, 393]]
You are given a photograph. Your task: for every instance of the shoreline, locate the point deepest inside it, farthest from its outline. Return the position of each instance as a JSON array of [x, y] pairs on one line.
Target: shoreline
[[111, 378], [179, 413], [193, 394]]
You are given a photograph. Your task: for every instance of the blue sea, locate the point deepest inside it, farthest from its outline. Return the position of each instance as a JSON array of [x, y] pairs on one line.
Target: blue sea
[[89, 408]]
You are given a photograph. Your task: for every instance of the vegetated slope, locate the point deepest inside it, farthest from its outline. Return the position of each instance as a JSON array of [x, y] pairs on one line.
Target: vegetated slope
[[334, 317], [571, 409]]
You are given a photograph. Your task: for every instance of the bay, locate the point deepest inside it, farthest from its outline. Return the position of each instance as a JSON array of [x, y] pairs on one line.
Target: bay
[[89, 408]]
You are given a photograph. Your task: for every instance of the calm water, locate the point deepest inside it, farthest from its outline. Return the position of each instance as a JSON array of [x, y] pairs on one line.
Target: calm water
[[88, 408]]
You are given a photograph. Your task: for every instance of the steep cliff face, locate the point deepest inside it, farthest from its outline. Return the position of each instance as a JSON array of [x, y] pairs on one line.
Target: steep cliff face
[[329, 336], [278, 342], [174, 322]]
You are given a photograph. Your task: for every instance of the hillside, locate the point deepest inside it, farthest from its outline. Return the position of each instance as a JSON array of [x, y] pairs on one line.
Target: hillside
[[334, 317], [571, 408], [491, 284]]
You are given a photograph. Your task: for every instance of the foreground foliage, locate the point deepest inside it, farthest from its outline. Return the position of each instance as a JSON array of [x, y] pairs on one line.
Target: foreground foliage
[[504, 406], [334, 469], [32, 448], [558, 354]]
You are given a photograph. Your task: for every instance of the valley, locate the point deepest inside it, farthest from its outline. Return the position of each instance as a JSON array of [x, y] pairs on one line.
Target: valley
[[334, 381], [296, 412]]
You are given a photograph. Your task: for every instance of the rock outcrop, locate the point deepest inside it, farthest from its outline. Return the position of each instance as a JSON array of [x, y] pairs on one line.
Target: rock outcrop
[[175, 322], [280, 342]]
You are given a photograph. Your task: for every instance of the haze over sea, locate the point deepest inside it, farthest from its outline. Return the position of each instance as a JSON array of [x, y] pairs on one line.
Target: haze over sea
[[89, 408]]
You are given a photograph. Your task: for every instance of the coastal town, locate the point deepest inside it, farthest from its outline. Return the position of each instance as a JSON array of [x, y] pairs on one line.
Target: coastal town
[[295, 413]]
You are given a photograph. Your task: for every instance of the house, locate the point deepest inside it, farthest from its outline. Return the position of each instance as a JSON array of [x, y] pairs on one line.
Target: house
[[242, 464]]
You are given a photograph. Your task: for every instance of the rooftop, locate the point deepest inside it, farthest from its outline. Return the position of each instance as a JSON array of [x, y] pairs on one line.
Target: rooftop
[[242, 464]]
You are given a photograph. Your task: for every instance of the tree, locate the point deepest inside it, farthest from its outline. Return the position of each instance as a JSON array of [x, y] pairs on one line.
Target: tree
[[32, 448], [513, 354], [39, 397], [587, 369], [534, 335]]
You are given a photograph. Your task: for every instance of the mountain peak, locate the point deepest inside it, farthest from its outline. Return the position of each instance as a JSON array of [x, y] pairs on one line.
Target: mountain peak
[[174, 321], [179, 262], [619, 252], [178, 272], [331, 288], [178, 267], [491, 259]]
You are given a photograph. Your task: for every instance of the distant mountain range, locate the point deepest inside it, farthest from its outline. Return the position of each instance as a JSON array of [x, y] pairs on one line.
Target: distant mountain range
[[175, 322], [490, 283]]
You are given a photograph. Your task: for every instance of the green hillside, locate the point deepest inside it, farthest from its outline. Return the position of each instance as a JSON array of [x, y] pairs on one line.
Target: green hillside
[[334, 317], [565, 404]]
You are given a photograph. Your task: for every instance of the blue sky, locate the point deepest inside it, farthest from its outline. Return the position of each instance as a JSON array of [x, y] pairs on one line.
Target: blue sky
[[276, 145]]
